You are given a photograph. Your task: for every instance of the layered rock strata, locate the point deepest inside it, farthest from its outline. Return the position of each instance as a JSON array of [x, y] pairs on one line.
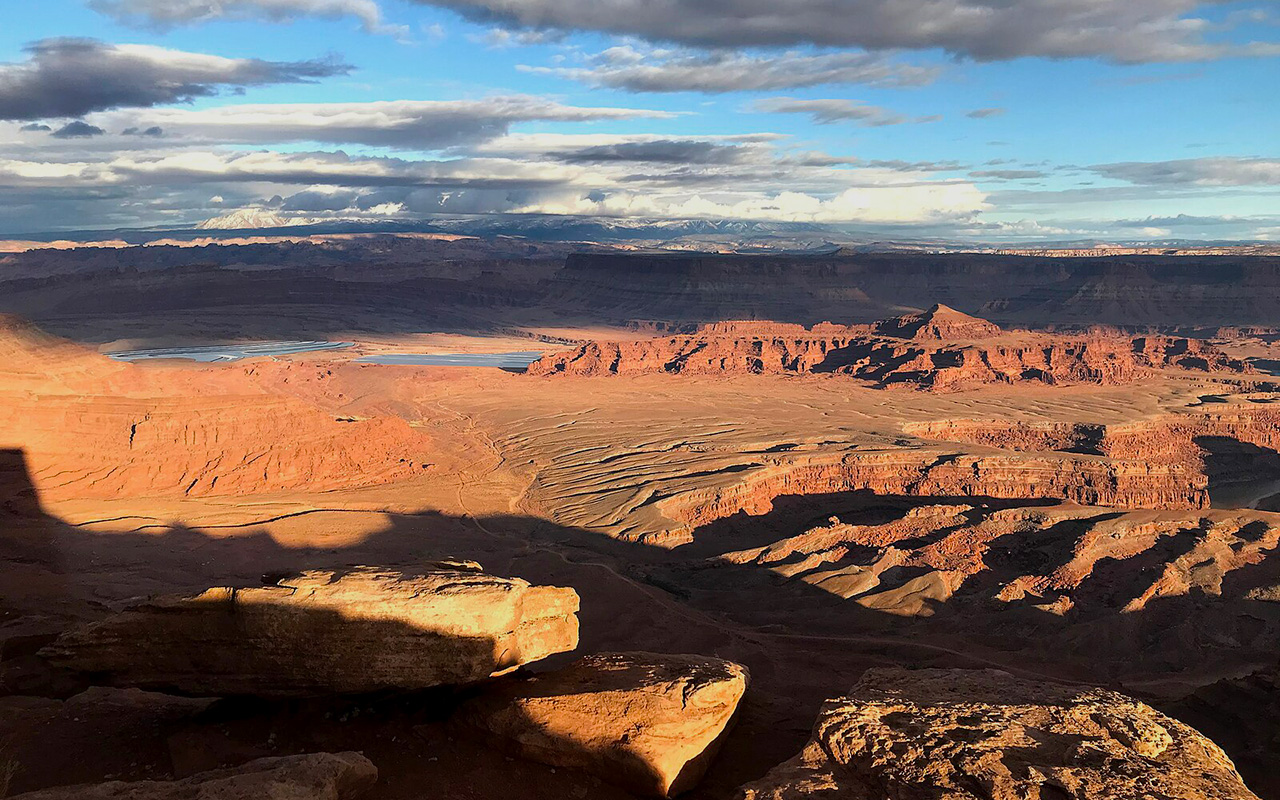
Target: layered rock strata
[[940, 350], [1242, 444], [1087, 480]]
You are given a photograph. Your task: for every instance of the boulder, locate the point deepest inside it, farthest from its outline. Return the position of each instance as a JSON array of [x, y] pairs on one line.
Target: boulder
[[648, 723], [316, 776], [964, 734], [324, 632]]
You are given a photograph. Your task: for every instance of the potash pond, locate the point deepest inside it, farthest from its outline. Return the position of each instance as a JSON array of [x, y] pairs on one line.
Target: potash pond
[[228, 352], [517, 360]]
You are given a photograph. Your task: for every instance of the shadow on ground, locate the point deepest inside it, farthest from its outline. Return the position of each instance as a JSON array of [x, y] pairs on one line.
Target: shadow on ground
[[802, 644]]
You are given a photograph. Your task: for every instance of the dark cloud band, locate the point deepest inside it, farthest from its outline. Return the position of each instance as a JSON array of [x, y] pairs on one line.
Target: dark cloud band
[[73, 77], [1129, 31]]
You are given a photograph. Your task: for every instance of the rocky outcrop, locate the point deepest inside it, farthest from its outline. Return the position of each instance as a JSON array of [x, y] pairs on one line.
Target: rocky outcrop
[[975, 561], [940, 350], [1231, 443], [324, 633], [959, 734], [1219, 447], [1013, 435], [649, 723], [317, 776], [939, 323]]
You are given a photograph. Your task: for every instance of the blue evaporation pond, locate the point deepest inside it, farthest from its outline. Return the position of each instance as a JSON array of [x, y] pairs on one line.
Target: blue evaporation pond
[[228, 352], [517, 360]]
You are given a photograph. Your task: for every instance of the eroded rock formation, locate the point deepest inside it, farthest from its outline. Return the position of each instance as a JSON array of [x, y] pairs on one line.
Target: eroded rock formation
[[1074, 562], [317, 776], [1083, 479], [939, 323], [1223, 447], [959, 734], [328, 633], [940, 350], [1013, 435], [649, 723], [95, 428]]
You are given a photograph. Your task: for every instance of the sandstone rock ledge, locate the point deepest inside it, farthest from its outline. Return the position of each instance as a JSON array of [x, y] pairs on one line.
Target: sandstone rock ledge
[[324, 633], [648, 723], [962, 734], [315, 776]]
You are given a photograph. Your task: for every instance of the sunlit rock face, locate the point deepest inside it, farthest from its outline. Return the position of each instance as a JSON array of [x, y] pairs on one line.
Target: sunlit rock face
[[939, 350], [327, 632], [648, 723], [952, 734]]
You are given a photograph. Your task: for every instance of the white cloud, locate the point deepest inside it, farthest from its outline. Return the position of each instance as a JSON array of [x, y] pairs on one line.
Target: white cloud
[[165, 14], [829, 111], [1212, 171], [408, 124], [647, 70]]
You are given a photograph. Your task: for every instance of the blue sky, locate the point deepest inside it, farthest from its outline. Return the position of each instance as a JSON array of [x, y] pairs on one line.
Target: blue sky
[[1132, 119]]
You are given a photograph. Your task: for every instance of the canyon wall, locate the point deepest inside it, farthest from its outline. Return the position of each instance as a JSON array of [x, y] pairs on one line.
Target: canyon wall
[[1082, 479], [1128, 291], [941, 350]]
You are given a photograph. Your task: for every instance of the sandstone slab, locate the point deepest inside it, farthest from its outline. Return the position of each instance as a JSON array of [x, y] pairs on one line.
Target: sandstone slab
[[323, 632], [649, 723], [316, 776], [963, 734]]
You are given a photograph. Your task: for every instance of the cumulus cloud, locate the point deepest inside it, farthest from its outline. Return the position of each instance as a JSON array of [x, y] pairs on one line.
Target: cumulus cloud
[[1181, 220], [743, 181], [166, 14], [73, 77], [405, 124], [867, 205], [1212, 171], [77, 129], [1118, 30], [640, 70], [827, 112]]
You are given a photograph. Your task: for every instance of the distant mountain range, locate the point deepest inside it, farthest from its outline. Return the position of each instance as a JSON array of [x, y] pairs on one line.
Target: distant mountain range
[[699, 235]]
